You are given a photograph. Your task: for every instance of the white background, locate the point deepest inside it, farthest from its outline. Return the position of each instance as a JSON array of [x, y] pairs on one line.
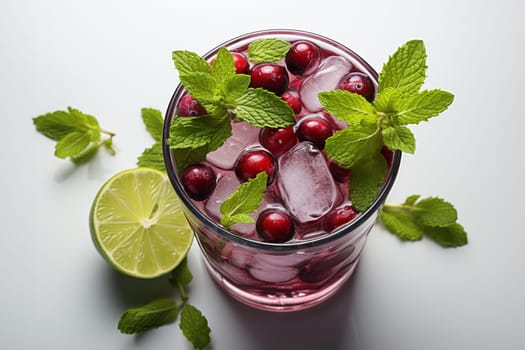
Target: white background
[[111, 58]]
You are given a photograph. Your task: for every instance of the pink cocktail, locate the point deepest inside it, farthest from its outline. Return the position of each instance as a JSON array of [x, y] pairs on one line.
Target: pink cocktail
[[308, 237]]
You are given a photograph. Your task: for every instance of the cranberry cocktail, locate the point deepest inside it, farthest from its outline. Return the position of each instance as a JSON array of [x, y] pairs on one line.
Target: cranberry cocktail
[[306, 236]]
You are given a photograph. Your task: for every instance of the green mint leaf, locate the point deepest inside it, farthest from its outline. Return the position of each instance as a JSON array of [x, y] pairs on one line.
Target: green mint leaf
[[223, 66], [453, 235], [195, 132], [187, 156], [202, 86], [246, 199], [194, 326], [400, 138], [366, 181], [87, 154], [387, 100], [411, 199], [181, 275], [263, 108], [405, 69], [152, 315], [424, 105], [234, 87], [435, 212], [153, 121], [268, 50], [432, 217], [152, 157], [401, 224], [72, 144], [188, 62], [350, 146], [346, 106], [56, 125]]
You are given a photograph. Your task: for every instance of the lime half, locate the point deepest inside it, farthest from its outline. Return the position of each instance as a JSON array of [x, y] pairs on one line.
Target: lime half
[[137, 223]]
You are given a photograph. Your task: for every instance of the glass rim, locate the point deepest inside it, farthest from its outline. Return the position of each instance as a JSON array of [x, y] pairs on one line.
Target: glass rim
[[169, 160]]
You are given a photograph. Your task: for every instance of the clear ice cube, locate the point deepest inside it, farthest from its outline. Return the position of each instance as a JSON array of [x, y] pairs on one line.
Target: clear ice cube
[[226, 185], [326, 78], [305, 182], [243, 135]]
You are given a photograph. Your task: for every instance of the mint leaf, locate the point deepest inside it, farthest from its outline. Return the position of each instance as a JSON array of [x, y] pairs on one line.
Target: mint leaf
[[350, 146], [346, 106], [263, 108], [246, 199], [401, 223], [424, 105], [78, 135], [201, 86], [223, 66], [72, 144], [405, 69], [188, 62], [432, 217], [152, 315], [387, 100], [194, 326], [152, 157], [153, 121], [400, 138], [181, 274], [453, 235], [268, 50], [435, 212], [234, 87], [366, 181], [187, 156], [195, 132]]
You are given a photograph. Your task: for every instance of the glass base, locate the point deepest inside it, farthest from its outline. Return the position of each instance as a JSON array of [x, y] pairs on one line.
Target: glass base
[[281, 302]]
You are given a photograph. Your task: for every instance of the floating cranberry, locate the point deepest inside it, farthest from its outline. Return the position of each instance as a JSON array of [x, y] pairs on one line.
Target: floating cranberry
[[252, 163], [358, 83], [199, 181], [189, 107], [302, 57], [278, 140], [315, 130], [293, 100], [339, 173], [339, 217], [274, 225], [241, 63], [269, 76]]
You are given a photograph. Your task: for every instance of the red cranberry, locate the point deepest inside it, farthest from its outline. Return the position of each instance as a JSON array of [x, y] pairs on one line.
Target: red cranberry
[[269, 76], [339, 217], [302, 57], [293, 100], [199, 181], [358, 83], [241, 63], [189, 107], [388, 154], [278, 140], [274, 225], [340, 174], [315, 130], [252, 163]]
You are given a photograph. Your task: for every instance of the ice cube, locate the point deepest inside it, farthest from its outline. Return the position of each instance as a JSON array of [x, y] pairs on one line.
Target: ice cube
[[243, 135], [270, 269], [226, 185], [306, 185], [327, 77]]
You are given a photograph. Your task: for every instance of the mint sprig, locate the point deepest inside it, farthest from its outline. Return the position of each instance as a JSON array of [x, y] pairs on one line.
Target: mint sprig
[[432, 217], [78, 135], [225, 95], [244, 201], [268, 50], [399, 103], [163, 311], [152, 156]]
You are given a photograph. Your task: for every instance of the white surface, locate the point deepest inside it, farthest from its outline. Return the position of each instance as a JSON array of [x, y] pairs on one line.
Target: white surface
[[110, 58]]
